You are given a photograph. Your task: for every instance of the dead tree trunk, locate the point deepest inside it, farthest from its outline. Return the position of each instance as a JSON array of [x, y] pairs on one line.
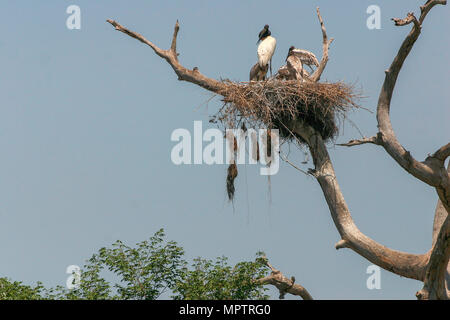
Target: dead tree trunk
[[431, 267]]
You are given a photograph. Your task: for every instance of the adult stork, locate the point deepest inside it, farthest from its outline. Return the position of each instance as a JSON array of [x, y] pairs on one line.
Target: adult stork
[[295, 60], [266, 49]]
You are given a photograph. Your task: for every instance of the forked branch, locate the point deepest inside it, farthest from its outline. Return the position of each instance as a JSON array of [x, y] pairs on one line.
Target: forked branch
[[284, 284], [325, 45], [171, 56], [432, 173], [407, 265], [431, 267], [431, 170]]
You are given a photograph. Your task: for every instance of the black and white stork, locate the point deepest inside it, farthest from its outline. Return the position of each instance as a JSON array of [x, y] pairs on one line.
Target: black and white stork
[[266, 49]]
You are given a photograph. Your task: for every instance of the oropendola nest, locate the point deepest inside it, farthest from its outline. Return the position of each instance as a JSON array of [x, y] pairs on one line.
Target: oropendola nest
[[274, 103]]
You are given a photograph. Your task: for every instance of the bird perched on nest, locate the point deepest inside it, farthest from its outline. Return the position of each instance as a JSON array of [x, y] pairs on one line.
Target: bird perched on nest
[[284, 74], [266, 49], [257, 73], [296, 58]]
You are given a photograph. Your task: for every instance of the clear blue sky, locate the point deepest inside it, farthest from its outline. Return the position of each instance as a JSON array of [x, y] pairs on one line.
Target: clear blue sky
[[85, 124]]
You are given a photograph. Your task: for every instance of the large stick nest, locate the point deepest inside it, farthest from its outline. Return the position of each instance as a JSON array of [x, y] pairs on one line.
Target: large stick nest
[[276, 103]]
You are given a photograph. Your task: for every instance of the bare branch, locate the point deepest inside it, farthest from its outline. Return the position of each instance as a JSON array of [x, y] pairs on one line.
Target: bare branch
[[443, 153], [325, 45], [404, 264], [430, 267], [440, 214], [173, 47], [409, 18], [435, 276], [433, 287], [162, 53], [293, 165], [341, 244], [431, 173], [356, 142], [427, 7], [193, 76], [283, 284]]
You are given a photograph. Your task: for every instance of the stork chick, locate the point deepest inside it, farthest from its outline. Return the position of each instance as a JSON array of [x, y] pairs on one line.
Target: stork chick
[[296, 59]]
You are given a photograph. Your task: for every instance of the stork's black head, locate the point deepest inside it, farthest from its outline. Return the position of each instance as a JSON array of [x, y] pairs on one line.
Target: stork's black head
[[265, 32]]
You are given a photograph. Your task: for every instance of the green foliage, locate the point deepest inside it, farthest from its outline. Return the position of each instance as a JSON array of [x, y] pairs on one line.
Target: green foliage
[[145, 272], [18, 291], [91, 285], [217, 280]]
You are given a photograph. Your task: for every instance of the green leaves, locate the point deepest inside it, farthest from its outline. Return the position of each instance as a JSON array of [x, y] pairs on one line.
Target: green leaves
[[217, 280], [142, 272], [18, 291], [148, 270]]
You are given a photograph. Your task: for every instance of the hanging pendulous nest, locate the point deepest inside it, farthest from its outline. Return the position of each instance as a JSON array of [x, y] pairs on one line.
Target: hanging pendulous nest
[[275, 103], [231, 175]]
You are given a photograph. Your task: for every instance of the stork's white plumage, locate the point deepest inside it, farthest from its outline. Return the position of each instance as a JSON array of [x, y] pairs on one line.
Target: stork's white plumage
[[266, 50]]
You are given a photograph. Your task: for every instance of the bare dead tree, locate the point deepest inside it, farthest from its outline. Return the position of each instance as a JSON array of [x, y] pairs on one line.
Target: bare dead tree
[[432, 267]]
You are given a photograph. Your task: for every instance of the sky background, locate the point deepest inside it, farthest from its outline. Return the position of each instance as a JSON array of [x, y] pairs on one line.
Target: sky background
[[86, 117]]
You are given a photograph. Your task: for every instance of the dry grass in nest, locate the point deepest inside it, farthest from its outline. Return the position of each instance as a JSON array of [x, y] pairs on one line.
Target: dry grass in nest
[[275, 103]]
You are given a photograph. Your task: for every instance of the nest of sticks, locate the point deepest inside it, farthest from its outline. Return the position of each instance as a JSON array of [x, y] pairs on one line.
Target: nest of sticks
[[273, 104]]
